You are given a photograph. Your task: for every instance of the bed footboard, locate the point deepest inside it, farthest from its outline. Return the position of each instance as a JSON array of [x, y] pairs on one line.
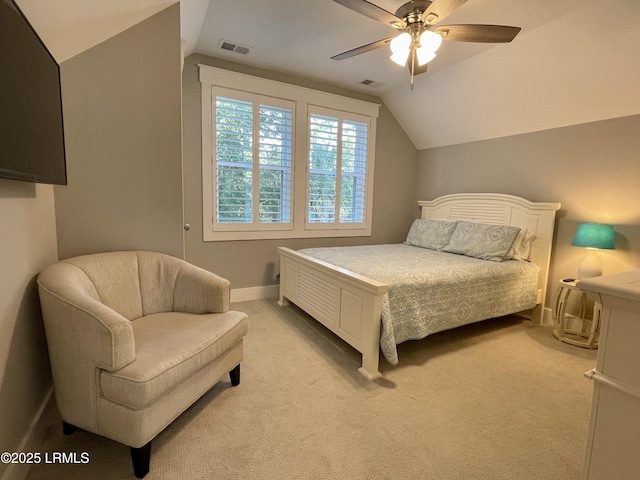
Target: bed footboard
[[346, 303]]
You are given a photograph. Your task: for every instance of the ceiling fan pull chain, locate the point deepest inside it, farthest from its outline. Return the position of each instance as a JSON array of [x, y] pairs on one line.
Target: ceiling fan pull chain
[[413, 65]]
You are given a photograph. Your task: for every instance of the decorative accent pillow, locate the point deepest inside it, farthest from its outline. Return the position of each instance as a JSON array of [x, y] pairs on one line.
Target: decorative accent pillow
[[481, 240], [521, 248], [433, 234]]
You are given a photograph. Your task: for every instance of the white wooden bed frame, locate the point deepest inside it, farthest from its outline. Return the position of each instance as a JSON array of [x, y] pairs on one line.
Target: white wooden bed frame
[[350, 304]]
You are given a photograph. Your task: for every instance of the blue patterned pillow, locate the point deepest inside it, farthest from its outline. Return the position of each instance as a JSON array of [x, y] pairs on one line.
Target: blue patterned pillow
[[433, 234], [481, 240]]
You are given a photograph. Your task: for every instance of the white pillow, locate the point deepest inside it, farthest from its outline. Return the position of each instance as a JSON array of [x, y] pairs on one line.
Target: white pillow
[[482, 240], [433, 234], [521, 248]]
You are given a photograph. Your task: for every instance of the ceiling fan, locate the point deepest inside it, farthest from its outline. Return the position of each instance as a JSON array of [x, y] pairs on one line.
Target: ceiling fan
[[416, 46]]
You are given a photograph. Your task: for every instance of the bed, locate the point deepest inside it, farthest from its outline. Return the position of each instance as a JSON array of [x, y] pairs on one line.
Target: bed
[[375, 297]]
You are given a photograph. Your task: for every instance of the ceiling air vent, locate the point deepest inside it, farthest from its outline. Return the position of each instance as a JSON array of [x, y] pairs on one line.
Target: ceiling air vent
[[234, 47], [372, 83]]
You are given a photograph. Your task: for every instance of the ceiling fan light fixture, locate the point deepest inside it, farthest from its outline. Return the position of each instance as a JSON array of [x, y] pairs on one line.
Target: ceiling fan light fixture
[[430, 41], [400, 57], [400, 48], [424, 55], [401, 42]]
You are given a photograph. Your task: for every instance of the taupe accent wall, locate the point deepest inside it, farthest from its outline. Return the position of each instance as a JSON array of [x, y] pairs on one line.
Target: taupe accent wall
[[28, 245], [593, 169], [122, 108], [253, 263]]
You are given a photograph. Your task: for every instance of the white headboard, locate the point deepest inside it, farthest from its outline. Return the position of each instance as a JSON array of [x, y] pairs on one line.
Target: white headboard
[[502, 209]]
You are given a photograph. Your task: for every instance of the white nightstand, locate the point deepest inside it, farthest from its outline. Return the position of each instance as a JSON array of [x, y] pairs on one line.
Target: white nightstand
[[589, 331]]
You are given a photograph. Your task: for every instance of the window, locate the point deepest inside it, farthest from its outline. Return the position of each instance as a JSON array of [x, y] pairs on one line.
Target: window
[[281, 161], [337, 170], [253, 148]]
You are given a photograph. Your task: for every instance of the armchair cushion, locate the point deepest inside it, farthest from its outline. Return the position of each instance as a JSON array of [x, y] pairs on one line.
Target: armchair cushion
[[170, 348], [169, 284], [115, 279]]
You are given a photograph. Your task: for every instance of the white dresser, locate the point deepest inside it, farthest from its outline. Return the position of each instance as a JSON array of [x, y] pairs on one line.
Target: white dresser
[[613, 442]]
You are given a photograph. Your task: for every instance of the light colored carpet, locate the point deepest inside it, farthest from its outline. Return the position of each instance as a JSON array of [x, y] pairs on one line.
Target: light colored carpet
[[501, 399]]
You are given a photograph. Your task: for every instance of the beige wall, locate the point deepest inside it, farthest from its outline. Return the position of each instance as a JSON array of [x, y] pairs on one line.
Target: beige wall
[[254, 262], [28, 245], [592, 169], [122, 107]]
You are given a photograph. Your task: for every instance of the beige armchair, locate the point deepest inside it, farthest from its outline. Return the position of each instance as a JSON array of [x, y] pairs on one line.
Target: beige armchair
[[134, 339]]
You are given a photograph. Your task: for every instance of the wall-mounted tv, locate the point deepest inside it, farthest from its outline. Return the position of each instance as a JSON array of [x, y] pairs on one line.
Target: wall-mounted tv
[[31, 124]]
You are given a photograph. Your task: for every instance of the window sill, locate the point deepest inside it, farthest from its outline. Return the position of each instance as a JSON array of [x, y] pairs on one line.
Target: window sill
[[276, 235]]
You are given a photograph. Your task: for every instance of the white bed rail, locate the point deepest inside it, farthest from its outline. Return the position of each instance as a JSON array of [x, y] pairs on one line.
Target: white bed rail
[[346, 303]]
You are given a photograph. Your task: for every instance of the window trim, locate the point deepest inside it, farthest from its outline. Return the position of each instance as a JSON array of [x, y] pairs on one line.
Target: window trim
[[304, 98]]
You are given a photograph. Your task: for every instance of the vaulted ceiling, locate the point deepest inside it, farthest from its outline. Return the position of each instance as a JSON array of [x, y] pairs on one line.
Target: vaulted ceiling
[[575, 61]]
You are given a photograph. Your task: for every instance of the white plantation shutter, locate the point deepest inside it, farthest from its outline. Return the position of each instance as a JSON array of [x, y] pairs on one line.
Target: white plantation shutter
[[253, 149], [283, 161], [234, 160], [337, 170], [274, 151], [354, 166], [323, 163]]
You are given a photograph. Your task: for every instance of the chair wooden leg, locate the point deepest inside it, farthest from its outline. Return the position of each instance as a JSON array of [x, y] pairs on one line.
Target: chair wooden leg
[[235, 376], [67, 428], [141, 458]]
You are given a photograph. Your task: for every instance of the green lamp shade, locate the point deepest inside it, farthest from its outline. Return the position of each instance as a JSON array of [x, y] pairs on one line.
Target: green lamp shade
[[594, 235]]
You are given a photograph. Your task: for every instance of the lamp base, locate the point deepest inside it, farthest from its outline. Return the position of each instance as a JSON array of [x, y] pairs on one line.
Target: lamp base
[[590, 267]]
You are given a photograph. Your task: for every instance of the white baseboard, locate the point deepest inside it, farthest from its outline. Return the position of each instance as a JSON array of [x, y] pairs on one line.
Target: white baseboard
[[547, 316], [254, 293], [32, 440]]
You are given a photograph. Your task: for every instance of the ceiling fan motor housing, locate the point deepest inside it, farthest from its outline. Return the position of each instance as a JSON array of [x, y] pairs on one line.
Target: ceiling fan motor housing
[[411, 12]]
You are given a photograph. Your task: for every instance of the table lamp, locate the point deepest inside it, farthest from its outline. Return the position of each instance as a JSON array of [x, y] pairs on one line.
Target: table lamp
[[593, 236]]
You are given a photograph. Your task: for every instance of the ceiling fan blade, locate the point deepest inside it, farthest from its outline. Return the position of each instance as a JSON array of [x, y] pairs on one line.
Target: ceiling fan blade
[[478, 33], [439, 9], [370, 10], [363, 49]]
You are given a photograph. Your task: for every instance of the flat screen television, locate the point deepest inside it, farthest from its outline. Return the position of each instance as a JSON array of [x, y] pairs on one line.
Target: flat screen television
[[31, 125]]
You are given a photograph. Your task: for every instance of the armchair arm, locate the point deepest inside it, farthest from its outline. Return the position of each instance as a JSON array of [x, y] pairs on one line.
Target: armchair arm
[[104, 336], [83, 335], [79, 322], [199, 291]]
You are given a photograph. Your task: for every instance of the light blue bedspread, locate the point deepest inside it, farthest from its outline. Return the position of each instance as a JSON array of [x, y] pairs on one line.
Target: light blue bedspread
[[431, 291]]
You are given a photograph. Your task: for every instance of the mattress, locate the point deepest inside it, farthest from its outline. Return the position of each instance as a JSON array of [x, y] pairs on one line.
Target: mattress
[[431, 291]]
